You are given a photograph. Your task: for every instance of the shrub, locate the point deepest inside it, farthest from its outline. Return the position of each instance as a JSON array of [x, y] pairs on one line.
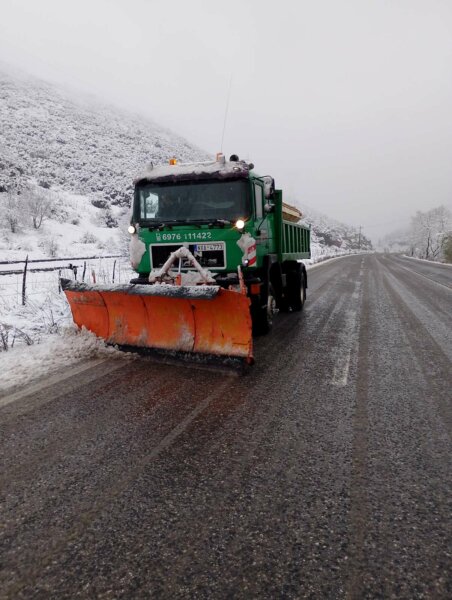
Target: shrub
[[447, 248], [88, 238], [109, 219], [12, 210], [50, 246], [99, 202]]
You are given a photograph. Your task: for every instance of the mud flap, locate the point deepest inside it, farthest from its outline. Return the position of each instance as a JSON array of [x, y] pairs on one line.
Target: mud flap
[[203, 319]]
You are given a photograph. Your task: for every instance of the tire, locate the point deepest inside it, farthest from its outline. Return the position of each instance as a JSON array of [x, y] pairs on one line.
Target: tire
[[262, 316], [296, 289], [283, 303]]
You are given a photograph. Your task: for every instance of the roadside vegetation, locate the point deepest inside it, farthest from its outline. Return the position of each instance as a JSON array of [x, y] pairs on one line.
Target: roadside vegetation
[[429, 236]]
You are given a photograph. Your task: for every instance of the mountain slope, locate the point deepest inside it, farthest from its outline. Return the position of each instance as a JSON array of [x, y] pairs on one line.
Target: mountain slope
[[75, 144], [329, 233]]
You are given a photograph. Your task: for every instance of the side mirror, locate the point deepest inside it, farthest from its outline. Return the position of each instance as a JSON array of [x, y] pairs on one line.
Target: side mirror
[[269, 186], [269, 208]]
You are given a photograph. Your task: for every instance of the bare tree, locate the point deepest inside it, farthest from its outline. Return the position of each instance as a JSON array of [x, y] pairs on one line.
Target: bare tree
[[11, 211], [38, 204], [447, 247], [427, 232]]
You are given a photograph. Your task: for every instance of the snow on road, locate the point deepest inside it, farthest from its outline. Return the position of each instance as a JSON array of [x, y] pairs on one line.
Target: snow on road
[[23, 365]]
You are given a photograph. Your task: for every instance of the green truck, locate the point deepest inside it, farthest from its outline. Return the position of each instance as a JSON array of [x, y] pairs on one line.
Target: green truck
[[232, 220], [217, 253]]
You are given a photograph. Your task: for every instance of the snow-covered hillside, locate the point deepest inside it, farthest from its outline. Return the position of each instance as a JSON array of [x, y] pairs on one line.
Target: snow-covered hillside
[[328, 234], [75, 144]]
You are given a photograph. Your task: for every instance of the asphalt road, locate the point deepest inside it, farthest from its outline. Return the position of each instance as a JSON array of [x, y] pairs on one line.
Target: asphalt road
[[323, 473]]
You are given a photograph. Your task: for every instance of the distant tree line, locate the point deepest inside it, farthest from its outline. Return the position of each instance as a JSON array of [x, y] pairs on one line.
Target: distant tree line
[[430, 234]]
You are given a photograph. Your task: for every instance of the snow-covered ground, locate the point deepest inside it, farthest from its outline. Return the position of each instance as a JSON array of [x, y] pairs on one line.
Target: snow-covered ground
[[321, 253], [324, 258], [54, 353], [74, 231], [74, 228], [39, 338]]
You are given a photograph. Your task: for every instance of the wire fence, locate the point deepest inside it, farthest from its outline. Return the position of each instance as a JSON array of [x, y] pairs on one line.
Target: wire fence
[[16, 285]]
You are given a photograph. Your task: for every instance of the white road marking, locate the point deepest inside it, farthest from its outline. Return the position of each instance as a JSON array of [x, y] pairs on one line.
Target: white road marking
[[341, 370], [328, 261], [347, 339], [445, 285]]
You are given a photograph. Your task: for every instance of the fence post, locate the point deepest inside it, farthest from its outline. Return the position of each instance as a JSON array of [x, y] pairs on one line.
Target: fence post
[[114, 267], [93, 275], [24, 282], [84, 270]]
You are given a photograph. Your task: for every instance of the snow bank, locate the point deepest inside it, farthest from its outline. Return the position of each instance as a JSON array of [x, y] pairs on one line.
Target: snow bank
[[425, 260], [322, 253], [20, 366]]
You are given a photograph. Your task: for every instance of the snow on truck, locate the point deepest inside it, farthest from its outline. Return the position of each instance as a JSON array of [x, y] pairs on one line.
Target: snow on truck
[[217, 253]]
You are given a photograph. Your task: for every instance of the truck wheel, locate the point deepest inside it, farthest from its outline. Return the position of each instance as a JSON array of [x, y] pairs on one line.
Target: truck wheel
[[262, 316], [296, 284], [283, 303]]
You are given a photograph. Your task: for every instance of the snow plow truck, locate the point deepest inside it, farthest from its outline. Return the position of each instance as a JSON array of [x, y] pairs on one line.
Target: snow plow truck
[[217, 253]]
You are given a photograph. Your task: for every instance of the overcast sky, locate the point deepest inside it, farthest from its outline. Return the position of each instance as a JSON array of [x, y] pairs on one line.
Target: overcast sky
[[347, 103]]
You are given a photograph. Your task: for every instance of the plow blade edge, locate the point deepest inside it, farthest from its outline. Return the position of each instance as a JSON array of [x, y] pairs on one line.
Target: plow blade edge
[[205, 319]]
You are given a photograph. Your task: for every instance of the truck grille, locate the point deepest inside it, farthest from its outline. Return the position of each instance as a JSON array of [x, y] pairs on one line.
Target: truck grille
[[214, 259]]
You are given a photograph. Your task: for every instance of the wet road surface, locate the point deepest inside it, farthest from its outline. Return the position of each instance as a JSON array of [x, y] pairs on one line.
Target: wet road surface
[[323, 473]]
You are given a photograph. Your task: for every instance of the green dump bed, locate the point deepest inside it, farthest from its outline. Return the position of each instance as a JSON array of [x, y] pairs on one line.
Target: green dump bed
[[293, 240], [296, 241]]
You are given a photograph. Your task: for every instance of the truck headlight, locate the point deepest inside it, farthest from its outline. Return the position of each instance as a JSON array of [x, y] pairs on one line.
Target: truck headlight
[[131, 229], [240, 224]]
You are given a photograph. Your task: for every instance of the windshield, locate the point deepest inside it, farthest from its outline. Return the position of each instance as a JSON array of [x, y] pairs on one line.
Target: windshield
[[192, 201]]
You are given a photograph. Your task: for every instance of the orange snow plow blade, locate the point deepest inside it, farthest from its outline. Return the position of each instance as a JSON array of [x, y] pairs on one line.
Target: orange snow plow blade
[[201, 319]]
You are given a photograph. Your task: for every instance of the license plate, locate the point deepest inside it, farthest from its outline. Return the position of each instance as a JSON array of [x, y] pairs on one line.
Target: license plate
[[207, 247]]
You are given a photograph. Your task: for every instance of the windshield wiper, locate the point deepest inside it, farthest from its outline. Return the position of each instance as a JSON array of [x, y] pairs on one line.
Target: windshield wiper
[[220, 222], [171, 222], [194, 222], [188, 222]]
